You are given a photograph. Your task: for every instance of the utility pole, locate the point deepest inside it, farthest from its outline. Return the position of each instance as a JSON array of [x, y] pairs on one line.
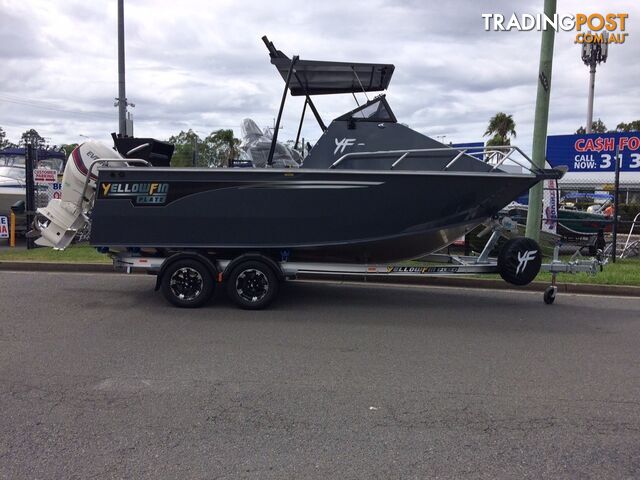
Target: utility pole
[[541, 121], [121, 101], [592, 55], [122, 96]]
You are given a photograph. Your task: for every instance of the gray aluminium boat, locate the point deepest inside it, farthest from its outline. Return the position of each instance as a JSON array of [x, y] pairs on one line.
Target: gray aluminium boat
[[370, 190]]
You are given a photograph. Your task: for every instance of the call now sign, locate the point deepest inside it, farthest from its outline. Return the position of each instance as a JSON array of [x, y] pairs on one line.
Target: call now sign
[[595, 152]]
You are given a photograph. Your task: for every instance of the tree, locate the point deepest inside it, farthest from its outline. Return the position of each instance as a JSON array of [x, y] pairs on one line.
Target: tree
[[68, 148], [4, 142], [501, 126], [185, 149], [629, 127], [223, 147], [32, 137], [596, 127], [216, 150]]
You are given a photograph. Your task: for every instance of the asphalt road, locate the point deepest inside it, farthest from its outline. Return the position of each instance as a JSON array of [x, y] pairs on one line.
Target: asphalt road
[[100, 378]]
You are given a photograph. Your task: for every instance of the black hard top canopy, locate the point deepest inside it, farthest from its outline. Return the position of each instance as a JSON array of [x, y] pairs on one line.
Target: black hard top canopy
[[314, 77]]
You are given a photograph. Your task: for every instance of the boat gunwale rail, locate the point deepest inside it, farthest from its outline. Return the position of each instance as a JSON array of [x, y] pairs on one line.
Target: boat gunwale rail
[[506, 152], [102, 161]]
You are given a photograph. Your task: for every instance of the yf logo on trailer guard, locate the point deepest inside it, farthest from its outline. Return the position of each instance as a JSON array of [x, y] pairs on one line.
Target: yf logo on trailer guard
[[524, 258], [139, 193]]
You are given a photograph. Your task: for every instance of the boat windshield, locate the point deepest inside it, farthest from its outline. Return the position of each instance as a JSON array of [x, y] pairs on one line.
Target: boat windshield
[[15, 173], [52, 163], [377, 110], [11, 160]]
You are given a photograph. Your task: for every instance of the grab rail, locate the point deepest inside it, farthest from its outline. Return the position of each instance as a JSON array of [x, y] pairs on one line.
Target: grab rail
[[494, 155], [626, 244]]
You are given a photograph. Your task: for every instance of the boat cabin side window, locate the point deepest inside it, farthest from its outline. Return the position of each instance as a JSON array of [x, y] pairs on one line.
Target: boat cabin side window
[[376, 110]]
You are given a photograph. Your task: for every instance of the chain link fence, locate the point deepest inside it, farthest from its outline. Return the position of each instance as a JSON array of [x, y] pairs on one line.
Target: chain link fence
[[593, 213]]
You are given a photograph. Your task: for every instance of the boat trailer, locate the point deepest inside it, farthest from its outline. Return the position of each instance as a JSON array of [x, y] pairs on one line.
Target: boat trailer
[[188, 278]]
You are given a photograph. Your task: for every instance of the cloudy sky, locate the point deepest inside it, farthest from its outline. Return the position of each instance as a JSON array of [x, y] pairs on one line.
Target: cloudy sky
[[201, 64]]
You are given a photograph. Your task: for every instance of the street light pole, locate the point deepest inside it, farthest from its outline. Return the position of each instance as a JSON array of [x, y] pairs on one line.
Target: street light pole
[[541, 121]]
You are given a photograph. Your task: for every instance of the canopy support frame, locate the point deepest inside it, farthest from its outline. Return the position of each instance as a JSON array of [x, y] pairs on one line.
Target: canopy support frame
[[361, 86], [304, 109], [274, 138]]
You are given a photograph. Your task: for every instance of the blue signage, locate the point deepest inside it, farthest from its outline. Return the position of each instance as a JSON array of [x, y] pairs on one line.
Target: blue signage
[[595, 152], [475, 149]]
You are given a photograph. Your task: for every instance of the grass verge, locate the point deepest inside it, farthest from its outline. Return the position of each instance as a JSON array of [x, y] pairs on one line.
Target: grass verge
[[73, 254], [623, 272]]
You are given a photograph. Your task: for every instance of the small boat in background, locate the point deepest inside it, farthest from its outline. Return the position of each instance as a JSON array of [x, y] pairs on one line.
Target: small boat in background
[[12, 187], [572, 224], [13, 176]]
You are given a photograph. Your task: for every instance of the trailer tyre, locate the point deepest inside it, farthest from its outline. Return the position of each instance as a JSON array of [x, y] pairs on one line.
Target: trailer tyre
[[519, 261], [187, 283], [550, 294], [252, 285]]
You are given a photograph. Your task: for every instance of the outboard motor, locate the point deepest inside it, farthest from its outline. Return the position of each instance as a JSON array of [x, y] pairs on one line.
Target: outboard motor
[[60, 221]]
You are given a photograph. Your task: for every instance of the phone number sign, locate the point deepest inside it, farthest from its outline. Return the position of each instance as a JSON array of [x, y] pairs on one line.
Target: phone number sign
[[595, 152]]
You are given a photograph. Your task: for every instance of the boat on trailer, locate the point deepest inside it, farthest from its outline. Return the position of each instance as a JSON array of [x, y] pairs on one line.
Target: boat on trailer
[[370, 191]]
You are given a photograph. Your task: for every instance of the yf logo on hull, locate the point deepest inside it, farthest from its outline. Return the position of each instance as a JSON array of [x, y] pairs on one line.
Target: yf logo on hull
[[344, 143]]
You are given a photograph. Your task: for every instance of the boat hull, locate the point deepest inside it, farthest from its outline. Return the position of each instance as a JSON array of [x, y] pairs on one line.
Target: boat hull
[[8, 197], [329, 215], [571, 223]]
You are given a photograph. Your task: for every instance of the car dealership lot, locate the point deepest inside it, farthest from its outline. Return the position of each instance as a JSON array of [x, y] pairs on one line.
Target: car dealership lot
[[99, 376]]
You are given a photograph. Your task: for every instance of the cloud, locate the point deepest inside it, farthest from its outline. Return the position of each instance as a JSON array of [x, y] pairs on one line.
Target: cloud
[[202, 65]]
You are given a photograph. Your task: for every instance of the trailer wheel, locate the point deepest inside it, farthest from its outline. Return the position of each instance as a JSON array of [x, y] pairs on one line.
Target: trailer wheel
[[519, 261], [187, 283], [550, 294], [252, 285]]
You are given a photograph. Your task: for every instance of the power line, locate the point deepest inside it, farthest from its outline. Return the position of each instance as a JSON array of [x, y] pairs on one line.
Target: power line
[[48, 106]]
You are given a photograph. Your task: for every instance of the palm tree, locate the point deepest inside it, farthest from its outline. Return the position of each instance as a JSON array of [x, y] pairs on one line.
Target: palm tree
[[501, 126]]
